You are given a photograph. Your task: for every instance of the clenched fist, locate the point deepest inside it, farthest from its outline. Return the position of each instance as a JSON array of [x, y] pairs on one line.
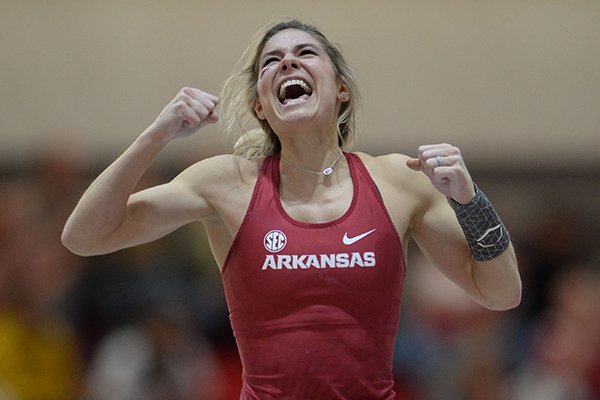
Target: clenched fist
[[446, 169], [190, 110]]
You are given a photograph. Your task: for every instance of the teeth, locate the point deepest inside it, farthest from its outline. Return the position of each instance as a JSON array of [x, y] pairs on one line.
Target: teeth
[[291, 82]]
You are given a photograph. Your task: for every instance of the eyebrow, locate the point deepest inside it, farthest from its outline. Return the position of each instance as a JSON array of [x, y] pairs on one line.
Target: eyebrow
[[296, 48]]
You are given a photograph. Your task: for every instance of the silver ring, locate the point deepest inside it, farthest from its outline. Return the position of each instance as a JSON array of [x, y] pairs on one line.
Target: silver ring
[[439, 161]]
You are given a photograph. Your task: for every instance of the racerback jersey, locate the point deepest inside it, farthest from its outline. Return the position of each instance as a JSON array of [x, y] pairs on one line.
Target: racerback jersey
[[315, 307]]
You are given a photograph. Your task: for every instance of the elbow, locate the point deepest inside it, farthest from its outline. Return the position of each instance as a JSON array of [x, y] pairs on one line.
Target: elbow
[[504, 289], [517, 297], [71, 241], [506, 305], [68, 240], [511, 299], [85, 243]]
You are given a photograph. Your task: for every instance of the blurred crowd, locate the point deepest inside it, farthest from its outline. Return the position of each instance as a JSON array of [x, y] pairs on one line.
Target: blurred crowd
[[151, 322]]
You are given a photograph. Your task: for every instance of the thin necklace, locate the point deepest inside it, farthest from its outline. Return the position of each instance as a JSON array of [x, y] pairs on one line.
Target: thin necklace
[[326, 171]]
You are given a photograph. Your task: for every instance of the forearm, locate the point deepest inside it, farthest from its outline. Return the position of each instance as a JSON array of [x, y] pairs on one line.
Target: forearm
[[103, 206], [497, 281], [493, 262]]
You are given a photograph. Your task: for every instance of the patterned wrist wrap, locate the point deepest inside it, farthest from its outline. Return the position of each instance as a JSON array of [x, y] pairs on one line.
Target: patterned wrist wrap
[[486, 235]]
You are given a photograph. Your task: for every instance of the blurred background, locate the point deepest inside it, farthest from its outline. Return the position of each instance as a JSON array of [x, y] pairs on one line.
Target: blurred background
[[515, 84]]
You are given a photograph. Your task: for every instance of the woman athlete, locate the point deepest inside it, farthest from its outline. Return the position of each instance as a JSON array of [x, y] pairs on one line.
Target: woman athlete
[[310, 239]]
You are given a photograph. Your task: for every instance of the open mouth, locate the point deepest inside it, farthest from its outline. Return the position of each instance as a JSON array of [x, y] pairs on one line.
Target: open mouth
[[294, 91]]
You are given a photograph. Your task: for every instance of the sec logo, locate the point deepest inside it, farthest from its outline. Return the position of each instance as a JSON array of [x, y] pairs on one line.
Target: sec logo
[[275, 241]]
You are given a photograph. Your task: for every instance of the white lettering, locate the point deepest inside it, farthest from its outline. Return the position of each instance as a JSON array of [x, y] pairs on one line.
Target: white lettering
[[369, 259], [298, 261], [312, 261], [307, 261], [269, 262], [356, 260], [341, 260], [328, 260], [275, 241], [284, 261]]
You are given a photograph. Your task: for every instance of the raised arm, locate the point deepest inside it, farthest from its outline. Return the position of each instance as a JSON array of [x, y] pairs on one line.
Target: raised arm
[[109, 217], [460, 232]]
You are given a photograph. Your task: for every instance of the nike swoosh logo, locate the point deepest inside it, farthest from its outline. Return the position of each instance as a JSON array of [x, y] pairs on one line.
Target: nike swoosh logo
[[350, 240]]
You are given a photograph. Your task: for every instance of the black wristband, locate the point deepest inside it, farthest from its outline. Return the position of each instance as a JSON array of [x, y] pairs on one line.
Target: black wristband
[[486, 235]]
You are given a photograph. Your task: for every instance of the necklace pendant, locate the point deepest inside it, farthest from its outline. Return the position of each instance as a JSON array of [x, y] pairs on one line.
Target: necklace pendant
[[327, 171]]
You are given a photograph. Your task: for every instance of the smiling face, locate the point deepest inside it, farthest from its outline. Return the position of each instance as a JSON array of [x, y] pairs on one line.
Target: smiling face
[[242, 105], [297, 83]]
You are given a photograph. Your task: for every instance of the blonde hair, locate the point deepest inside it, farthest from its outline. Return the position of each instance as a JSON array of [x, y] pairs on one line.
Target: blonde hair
[[237, 114]]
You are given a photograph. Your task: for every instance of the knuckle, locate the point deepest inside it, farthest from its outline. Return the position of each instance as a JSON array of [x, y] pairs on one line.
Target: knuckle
[[180, 105], [203, 113], [184, 90]]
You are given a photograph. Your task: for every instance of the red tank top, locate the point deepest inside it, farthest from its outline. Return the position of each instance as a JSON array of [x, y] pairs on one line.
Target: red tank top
[[315, 306]]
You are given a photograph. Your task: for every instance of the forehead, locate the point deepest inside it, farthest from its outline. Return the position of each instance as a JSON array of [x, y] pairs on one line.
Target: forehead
[[288, 39]]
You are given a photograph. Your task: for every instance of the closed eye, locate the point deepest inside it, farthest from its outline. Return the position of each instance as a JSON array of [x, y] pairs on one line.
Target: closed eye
[[269, 60], [307, 51]]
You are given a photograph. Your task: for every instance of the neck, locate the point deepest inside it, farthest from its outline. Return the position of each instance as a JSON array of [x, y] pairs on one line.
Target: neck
[[298, 185], [326, 170], [310, 151]]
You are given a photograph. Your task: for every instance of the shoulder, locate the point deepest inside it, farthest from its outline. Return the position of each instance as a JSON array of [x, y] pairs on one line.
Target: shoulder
[[222, 169], [391, 169], [212, 177], [223, 184], [399, 185], [393, 160]]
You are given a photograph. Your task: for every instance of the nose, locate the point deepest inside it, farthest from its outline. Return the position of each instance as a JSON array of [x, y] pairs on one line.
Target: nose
[[290, 62]]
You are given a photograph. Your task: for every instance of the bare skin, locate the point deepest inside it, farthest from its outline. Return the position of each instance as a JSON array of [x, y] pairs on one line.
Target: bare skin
[[217, 190]]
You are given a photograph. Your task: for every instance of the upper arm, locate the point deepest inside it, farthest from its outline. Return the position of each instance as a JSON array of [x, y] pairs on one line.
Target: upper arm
[[156, 211], [422, 212], [436, 231]]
